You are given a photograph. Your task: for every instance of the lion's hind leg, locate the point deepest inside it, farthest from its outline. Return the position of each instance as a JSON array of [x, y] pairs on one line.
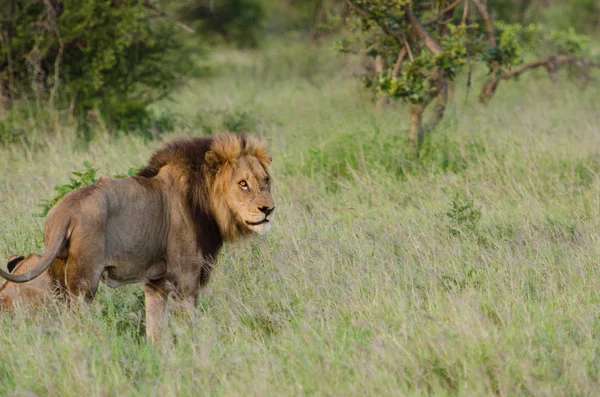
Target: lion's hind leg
[[82, 278], [82, 270]]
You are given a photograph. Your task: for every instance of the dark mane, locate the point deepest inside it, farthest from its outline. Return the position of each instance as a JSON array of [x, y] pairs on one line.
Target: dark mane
[[189, 156]]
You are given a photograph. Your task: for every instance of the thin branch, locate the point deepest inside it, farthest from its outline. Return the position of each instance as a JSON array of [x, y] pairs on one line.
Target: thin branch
[[437, 22], [450, 7], [363, 56], [56, 68], [317, 13], [37, 76], [429, 41], [61, 48], [2, 97], [378, 64], [482, 6], [463, 22], [7, 35], [465, 11], [407, 47], [383, 26], [549, 63], [469, 81], [379, 69], [161, 13], [440, 14], [374, 45], [398, 62], [67, 46]]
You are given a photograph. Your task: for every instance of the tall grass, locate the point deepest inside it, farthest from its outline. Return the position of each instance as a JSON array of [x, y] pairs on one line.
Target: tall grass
[[475, 273]]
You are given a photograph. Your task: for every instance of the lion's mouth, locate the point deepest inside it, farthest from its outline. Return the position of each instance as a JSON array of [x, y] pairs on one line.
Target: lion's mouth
[[258, 223]]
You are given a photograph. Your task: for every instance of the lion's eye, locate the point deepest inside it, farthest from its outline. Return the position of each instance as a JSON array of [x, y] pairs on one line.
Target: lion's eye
[[244, 185], [267, 180]]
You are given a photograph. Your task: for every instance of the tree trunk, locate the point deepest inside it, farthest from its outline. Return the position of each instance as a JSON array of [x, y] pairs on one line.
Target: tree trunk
[[9, 50], [379, 69], [439, 109], [415, 130], [2, 98], [316, 18], [440, 105], [490, 85], [38, 76]]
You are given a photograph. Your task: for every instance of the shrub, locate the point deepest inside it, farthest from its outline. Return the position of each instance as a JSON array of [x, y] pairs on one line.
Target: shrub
[[80, 179], [110, 59], [463, 215]]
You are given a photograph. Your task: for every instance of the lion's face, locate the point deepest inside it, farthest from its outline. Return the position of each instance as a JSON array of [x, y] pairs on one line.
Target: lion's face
[[240, 192], [248, 195]]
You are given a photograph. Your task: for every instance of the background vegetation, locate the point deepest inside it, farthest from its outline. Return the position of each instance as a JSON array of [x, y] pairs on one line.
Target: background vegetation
[[472, 271]]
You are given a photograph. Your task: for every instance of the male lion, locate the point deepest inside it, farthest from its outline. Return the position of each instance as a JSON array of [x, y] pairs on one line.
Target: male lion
[[162, 227]]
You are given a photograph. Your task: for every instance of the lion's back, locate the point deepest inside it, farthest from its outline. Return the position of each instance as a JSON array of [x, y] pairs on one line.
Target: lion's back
[[89, 201]]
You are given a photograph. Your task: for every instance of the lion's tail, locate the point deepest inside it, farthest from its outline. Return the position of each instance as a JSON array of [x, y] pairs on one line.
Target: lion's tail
[[56, 239]]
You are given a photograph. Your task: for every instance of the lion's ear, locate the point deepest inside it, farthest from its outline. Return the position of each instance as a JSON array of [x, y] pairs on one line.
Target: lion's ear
[[13, 261], [213, 161]]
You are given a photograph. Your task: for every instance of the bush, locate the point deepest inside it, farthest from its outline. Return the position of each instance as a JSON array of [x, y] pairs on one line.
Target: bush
[[107, 58], [463, 215], [80, 179]]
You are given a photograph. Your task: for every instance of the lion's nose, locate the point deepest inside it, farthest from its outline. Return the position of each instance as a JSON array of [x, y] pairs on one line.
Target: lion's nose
[[266, 210]]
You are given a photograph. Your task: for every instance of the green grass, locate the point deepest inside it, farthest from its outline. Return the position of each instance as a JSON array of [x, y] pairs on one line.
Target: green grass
[[476, 273]]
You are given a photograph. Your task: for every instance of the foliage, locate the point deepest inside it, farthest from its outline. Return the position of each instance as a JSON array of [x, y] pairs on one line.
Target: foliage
[[418, 49], [102, 58], [565, 42], [414, 82], [515, 40], [511, 40], [463, 216], [16, 125], [80, 179], [380, 23]]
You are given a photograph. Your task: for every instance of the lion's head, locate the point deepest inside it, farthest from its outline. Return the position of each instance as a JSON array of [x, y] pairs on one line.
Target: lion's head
[[226, 182], [240, 185]]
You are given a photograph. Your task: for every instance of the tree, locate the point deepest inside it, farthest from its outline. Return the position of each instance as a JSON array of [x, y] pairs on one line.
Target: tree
[[421, 46]]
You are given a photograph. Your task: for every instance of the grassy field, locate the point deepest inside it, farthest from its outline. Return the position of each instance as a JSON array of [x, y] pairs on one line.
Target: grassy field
[[476, 273]]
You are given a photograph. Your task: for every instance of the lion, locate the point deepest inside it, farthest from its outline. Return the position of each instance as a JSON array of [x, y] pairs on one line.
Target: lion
[[35, 292], [162, 227]]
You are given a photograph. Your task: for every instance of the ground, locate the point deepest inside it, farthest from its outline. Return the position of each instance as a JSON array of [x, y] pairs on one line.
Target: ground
[[475, 273]]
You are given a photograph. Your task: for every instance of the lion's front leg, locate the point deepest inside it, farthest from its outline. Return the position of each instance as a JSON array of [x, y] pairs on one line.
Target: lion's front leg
[[193, 275], [157, 295], [185, 298]]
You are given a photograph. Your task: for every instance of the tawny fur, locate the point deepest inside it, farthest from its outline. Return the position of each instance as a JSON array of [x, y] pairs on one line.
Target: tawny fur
[[162, 227], [34, 292]]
